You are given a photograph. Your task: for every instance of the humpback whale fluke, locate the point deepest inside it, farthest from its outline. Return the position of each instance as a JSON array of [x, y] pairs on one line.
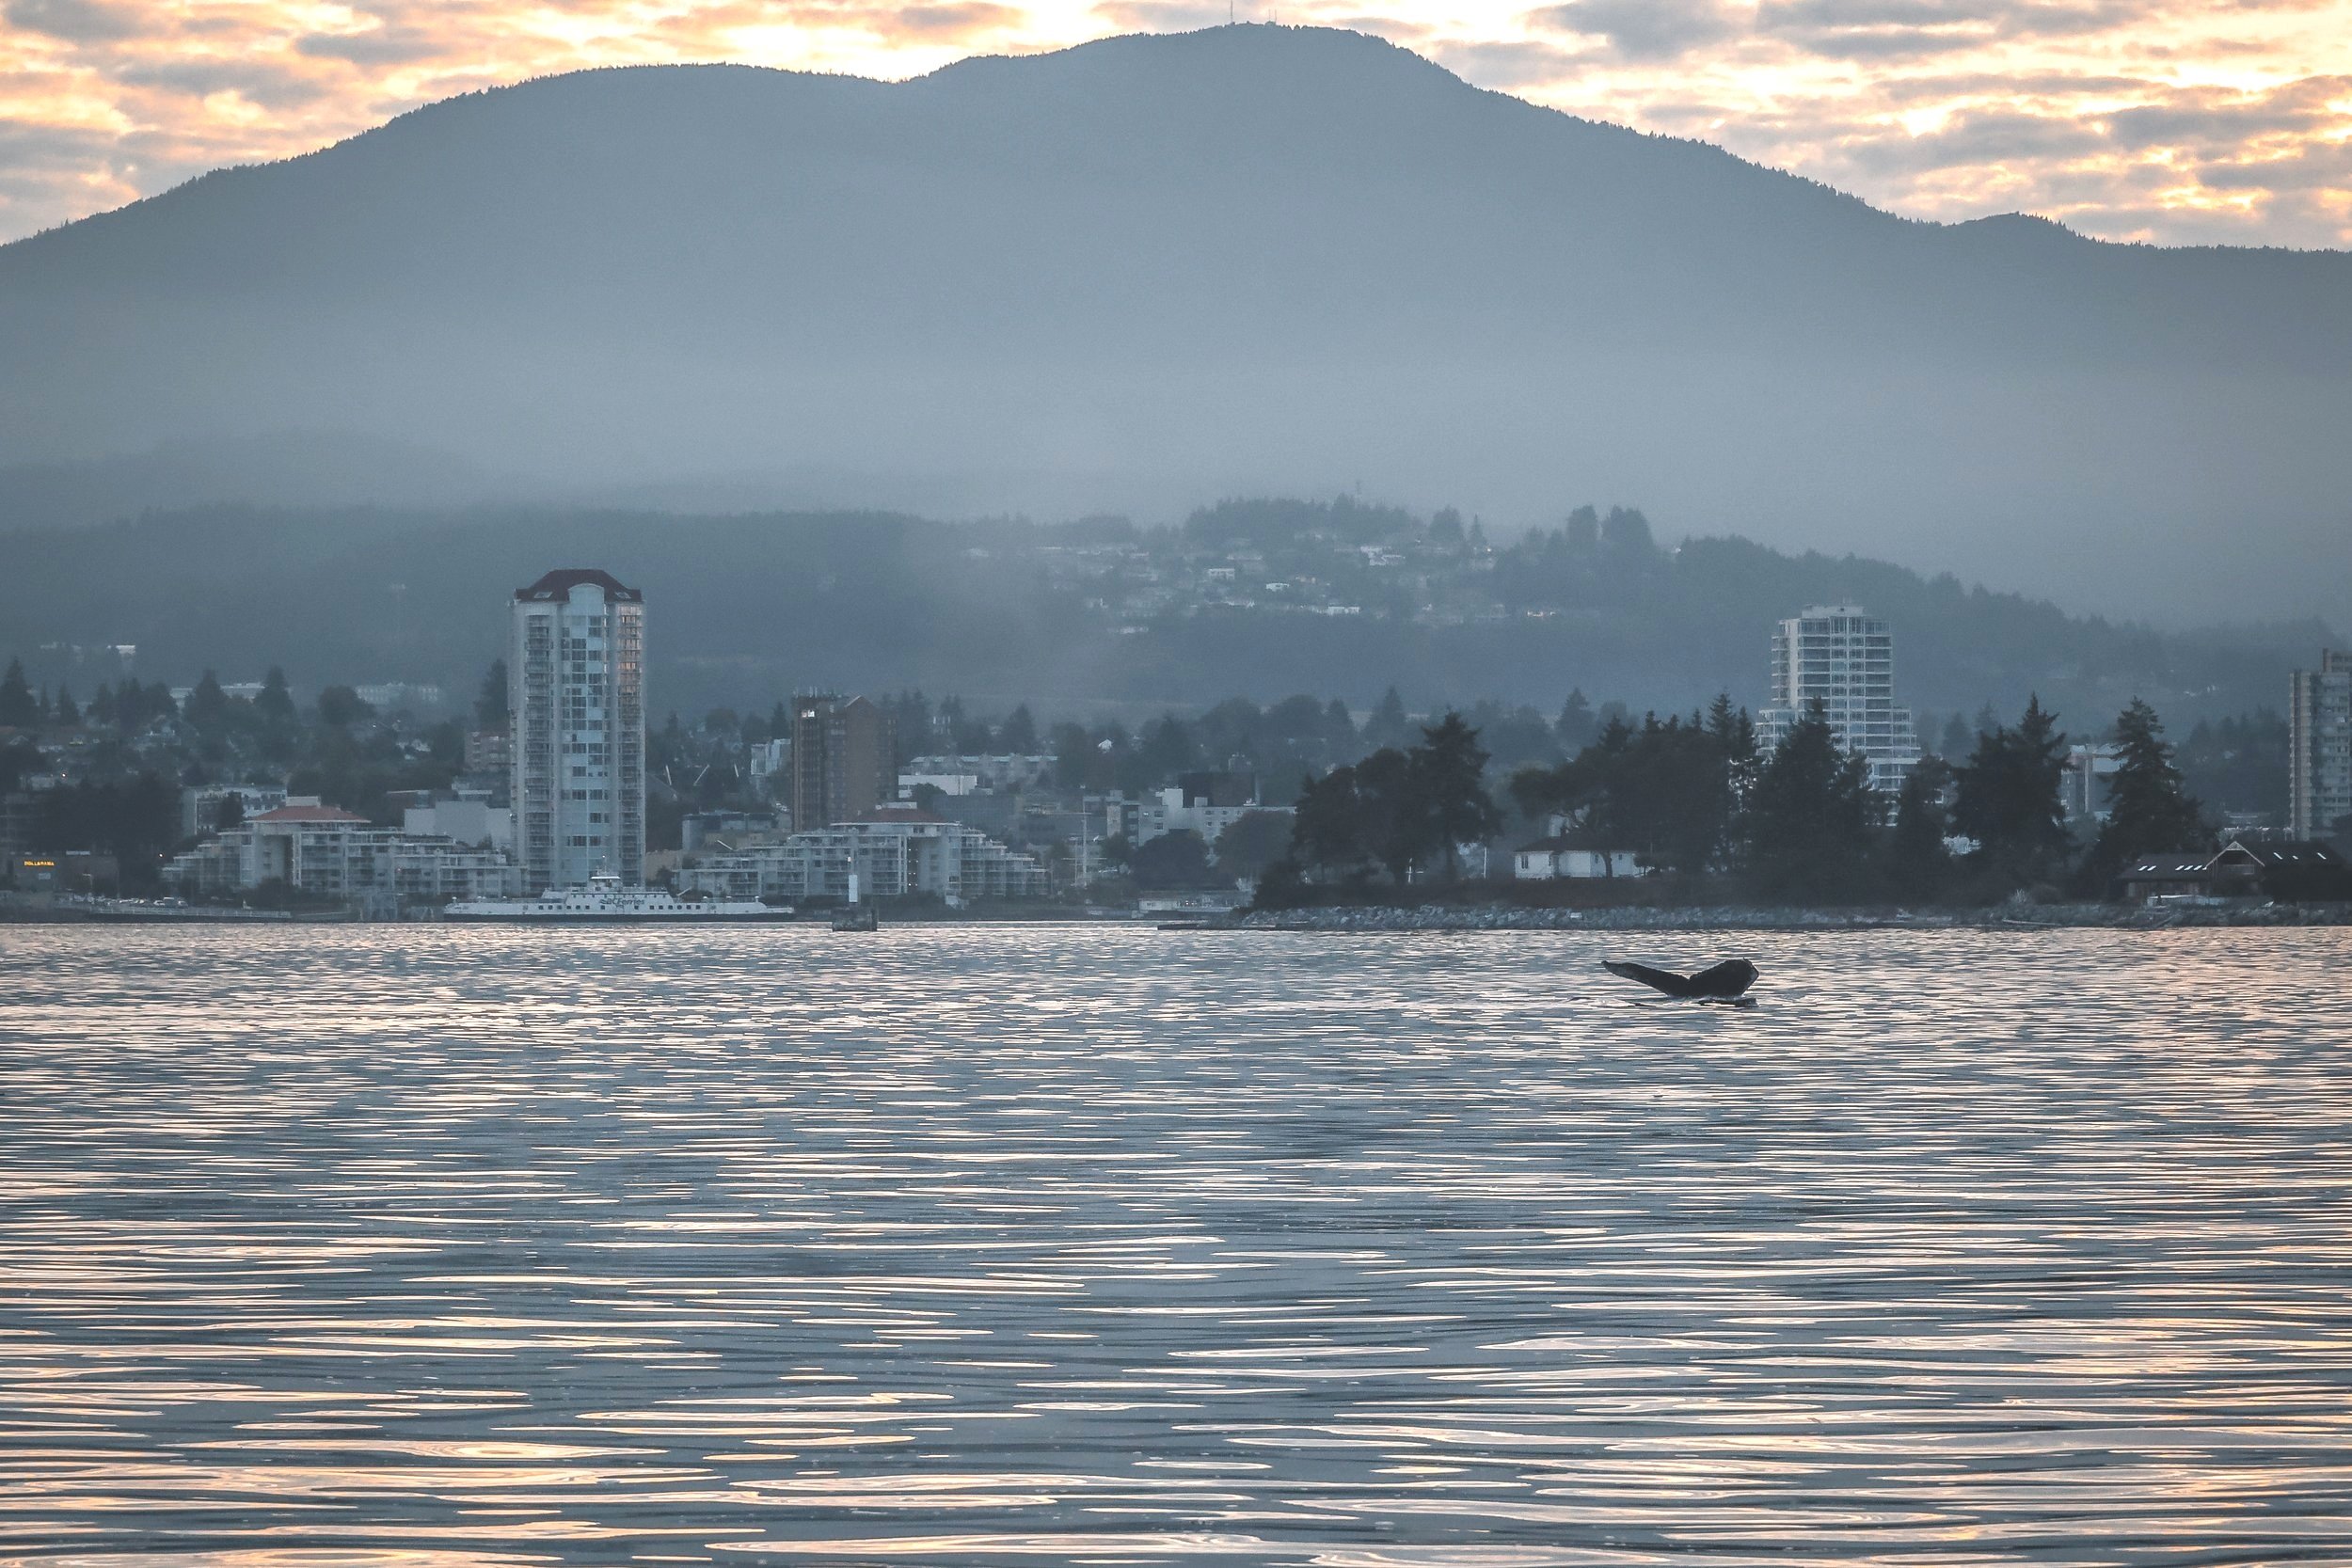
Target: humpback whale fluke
[[1725, 982]]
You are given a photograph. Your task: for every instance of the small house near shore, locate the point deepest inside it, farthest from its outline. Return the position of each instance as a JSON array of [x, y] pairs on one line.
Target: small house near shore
[[2295, 871], [1550, 858]]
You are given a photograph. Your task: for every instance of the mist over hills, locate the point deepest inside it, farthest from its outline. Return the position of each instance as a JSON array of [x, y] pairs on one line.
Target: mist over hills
[[1096, 617], [1153, 269]]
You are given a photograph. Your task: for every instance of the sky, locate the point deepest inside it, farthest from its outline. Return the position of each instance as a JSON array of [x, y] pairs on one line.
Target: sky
[[2176, 122]]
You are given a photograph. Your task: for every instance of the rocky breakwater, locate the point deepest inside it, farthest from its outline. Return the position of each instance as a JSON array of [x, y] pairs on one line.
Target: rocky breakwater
[[1503, 917]]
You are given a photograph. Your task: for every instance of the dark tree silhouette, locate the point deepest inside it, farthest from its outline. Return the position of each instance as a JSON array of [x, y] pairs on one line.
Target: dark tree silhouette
[[2009, 802], [17, 707], [1807, 828], [2150, 811]]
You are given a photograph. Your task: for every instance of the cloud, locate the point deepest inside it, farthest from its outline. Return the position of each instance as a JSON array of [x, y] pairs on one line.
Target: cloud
[[75, 21], [1160, 16], [1505, 65], [378, 46], [1647, 30]]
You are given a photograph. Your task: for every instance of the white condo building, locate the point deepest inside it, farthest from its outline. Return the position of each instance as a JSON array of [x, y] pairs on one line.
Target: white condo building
[[575, 682], [1844, 658], [2319, 748], [895, 851]]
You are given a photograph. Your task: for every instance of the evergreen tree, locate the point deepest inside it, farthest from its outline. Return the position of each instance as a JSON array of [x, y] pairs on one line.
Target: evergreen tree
[[208, 705], [67, 713], [1734, 734], [274, 703], [101, 705], [340, 706], [1449, 785], [1389, 725], [1958, 739], [2010, 799], [1809, 821], [489, 706], [1166, 750], [1582, 532], [17, 706], [1339, 728], [1917, 862], [1326, 824], [2149, 811], [1018, 735], [1393, 822], [1575, 725]]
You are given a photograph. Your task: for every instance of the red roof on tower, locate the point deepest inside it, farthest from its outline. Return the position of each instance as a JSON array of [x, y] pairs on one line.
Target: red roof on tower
[[559, 584], [307, 813]]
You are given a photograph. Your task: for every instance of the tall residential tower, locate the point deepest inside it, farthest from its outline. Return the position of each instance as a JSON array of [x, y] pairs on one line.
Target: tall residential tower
[[2319, 746], [1846, 659], [844, 759], [576, 675]]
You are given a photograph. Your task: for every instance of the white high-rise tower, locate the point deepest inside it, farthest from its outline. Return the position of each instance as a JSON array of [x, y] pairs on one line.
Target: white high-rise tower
[[1846, 659], [576, 683], [2320, 735]]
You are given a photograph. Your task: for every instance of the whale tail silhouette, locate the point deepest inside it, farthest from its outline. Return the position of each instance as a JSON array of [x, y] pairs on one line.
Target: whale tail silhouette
[[1724, 981]]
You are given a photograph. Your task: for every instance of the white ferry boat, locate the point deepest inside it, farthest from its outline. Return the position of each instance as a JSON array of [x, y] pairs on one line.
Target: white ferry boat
[[605, 901]]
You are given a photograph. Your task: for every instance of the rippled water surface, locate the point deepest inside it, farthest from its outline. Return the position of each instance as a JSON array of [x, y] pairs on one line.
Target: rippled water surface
[[364, 1246]]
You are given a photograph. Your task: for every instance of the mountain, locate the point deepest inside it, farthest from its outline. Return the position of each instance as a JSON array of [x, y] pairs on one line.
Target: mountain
[[1153, 269]]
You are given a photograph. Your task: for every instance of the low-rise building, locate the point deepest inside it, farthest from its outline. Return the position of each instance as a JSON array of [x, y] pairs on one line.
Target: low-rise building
[[465, 819], [2289, 870], [1206, 803], [334, 854], [85, 871], [726, 831], [894, 852], [1554, 859], [202, 805]]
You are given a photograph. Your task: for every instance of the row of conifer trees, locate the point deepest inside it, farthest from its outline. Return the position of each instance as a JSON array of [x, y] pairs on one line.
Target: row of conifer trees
[[1696, 797]]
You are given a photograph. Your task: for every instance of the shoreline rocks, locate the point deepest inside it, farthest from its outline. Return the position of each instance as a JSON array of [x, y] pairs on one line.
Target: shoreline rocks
[[1497, 917]]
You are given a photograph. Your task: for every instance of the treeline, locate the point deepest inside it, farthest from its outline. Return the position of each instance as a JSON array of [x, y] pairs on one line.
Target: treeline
[[1696, 797]]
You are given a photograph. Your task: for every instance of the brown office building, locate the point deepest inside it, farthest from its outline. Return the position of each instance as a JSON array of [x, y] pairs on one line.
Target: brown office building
[[844, 760]]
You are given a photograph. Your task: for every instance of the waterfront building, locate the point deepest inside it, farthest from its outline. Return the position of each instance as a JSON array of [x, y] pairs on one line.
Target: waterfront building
[[576, 687], [1844, 658], [2319, 746], [727, 830], [843, 762], [464, 818], [201, 805], [488, 752], [893, 852], [333, 854], [1206, 803]]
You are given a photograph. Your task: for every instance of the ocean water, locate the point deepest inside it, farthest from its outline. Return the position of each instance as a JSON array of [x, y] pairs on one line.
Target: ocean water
[[378, 1248]]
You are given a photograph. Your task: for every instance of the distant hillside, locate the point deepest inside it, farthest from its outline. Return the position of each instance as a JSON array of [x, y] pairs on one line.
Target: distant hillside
[[1250, 258], [1099, 616]]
